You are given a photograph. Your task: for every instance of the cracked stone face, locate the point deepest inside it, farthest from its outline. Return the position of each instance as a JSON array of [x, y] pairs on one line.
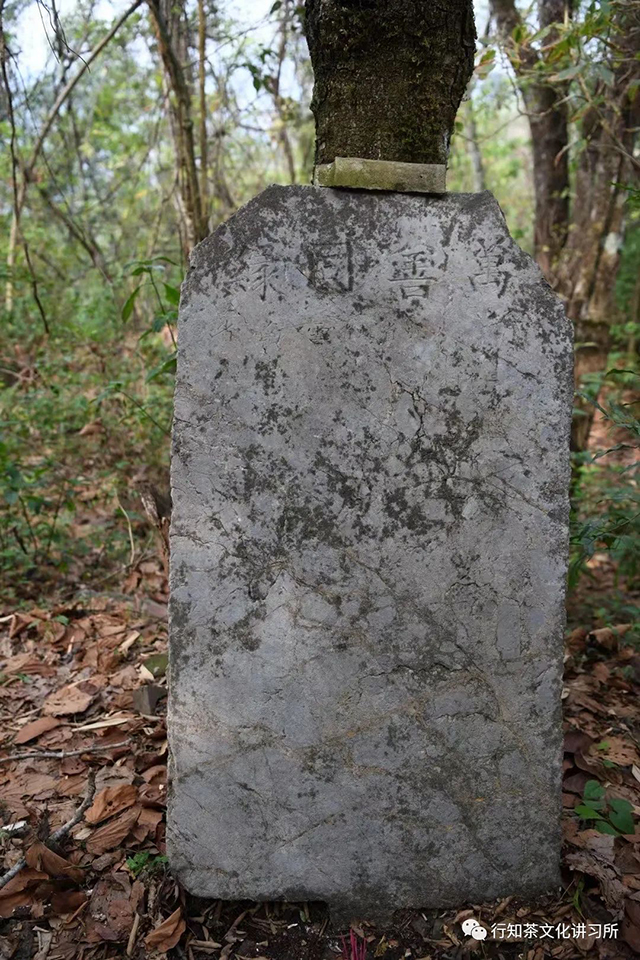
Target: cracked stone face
[[370, 487]]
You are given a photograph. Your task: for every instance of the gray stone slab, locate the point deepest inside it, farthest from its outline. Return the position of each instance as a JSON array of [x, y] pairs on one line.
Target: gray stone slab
[[370, 487]]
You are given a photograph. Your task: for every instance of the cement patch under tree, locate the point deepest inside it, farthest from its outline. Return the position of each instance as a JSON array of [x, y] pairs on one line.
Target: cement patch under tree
[[370, 476]]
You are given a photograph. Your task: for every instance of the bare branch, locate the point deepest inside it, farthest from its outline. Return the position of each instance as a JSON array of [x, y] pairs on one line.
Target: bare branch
[[29, 167], [58, 834]]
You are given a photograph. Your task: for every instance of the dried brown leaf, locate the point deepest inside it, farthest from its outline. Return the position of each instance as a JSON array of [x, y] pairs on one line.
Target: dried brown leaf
[[69, 700], [619, 750], [166, 936], [110, 834], [35, 729], [576, 741], [611, 886], [40, 857], [110, 909], [19, 892], [67, 901], [29, 664], [631, 925], [91, 429], [110, 801]]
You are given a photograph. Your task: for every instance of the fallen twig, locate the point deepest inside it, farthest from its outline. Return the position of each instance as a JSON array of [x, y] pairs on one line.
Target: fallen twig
[[59, 833], [14, 829], [62, 754], [133, 935]]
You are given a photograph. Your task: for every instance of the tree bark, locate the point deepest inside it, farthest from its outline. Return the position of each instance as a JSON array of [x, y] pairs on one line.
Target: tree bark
[[548, 122], [166, 24], [577, 242], [274, 84], [477, 166], [389, 76], [202, 39]]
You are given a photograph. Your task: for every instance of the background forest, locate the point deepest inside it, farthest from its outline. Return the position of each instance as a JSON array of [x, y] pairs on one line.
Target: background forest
[[132, 131]]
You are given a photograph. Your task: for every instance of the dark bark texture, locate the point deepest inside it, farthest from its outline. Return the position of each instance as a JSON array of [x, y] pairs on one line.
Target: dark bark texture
[[547, 111], [389, 76], [577, 243], [170, 26]]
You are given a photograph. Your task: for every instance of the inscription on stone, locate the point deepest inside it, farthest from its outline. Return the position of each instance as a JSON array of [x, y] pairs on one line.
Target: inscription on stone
[[370, 470]]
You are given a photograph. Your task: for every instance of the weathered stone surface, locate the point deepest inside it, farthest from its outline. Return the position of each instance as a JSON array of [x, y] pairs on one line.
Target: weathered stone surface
[[370, 472]]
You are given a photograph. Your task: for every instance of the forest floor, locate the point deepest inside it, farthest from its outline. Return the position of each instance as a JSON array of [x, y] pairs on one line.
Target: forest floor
[[83, 756]]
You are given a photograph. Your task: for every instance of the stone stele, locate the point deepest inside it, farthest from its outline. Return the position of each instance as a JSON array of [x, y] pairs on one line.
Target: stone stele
[[369, 544]]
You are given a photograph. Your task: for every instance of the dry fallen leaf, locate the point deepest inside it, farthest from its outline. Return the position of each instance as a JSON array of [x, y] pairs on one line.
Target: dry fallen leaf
[[109, 722], [91, 428], [618, 750], [111, 834], [110, 801], [67, 901], [40, 857], [575, 741], [166, 936], [110, 910], [69, 700], [35, 729], [27, 663], [17, 892], [613, 890], [608, 637]]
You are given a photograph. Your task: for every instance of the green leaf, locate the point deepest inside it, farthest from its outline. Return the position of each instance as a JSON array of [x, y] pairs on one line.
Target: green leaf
[[570, 73], [127, 310], [544, 32], [603, 827], [172, 294], [605, 74], [621, 815], [593, 790], [167, 366], [587, 813], [276, 6], [163, 259]]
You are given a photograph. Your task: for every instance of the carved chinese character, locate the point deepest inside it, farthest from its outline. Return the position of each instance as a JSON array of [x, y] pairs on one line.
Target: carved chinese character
[[331, 267]]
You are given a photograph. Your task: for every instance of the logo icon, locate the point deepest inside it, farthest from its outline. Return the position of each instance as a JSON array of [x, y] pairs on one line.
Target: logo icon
[[471, 927]]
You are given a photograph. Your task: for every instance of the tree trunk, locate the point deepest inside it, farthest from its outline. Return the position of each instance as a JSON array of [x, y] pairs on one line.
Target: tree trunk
[[282, 132], [477, 166], [389, 76], [202, 104], [547, 115], [577, 243], [173, 49]]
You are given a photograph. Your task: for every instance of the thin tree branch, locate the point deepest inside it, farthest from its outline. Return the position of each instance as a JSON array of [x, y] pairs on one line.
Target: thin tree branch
[[46, 127], [62, 754], [58, 834]]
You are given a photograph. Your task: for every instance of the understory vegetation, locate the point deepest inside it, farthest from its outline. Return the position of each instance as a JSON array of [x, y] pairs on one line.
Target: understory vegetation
[[99, 221]]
